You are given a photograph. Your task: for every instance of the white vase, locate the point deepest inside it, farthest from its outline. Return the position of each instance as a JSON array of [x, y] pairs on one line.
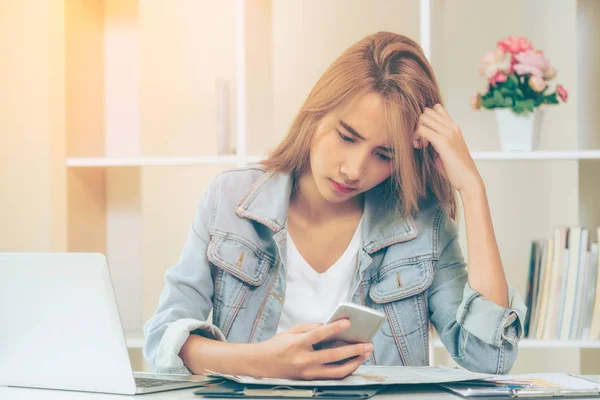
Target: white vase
[[518, 132]]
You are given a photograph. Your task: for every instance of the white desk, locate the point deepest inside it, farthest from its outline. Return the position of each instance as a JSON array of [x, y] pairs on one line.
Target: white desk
[[39, 394], [399, 392]]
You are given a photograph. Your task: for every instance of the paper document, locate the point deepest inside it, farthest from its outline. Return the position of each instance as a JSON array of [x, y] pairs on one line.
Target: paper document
[[372, 375], [551, 380], [527, 385]]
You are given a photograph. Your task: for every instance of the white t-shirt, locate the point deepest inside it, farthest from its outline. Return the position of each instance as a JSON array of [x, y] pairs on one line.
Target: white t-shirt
[[310, 296]]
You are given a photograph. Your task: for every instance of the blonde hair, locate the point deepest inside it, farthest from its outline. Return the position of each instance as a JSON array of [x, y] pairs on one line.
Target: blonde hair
[[395, 67]]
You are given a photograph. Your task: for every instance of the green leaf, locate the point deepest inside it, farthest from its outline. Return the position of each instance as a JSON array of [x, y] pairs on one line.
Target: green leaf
[[512, 81], [488, 103], [550, 99], [518, 107], [529, 105], [498, 96], [519, 93], [522, 106]]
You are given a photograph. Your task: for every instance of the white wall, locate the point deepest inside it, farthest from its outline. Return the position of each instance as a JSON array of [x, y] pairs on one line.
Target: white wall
[[32, 120]]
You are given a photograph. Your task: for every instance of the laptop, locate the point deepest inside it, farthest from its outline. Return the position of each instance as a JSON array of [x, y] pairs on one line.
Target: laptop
[[60, 328]]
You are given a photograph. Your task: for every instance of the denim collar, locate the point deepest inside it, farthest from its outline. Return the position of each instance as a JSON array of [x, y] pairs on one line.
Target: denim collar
[[267, 202]]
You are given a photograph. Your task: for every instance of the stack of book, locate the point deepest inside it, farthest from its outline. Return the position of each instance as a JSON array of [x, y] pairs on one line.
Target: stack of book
[[563, 295]]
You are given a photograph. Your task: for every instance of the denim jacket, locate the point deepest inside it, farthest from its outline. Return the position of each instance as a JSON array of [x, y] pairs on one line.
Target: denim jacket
[[410, 269]]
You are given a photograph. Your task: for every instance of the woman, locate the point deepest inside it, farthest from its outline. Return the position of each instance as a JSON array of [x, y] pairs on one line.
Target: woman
[[356, 204]]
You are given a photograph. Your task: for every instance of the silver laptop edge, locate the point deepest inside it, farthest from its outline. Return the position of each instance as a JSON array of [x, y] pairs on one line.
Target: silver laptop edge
[[61, 327]]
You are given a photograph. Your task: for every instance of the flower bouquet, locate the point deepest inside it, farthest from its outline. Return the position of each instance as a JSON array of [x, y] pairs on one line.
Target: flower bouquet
[[517, 78], [517, 88]]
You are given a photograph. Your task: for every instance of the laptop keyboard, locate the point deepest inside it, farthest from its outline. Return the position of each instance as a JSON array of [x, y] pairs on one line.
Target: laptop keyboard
[[151, 382]]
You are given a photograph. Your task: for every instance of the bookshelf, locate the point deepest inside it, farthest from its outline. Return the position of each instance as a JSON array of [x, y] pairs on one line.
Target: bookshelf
[[134, 177], [532, 192]]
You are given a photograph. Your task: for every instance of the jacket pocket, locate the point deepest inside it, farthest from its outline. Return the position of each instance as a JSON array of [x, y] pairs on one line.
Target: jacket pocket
[[240, 266], [239, 258], [399, 290], [398, 281]]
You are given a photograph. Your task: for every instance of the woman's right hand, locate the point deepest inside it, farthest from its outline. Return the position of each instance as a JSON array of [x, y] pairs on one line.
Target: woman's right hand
[[291, 355]]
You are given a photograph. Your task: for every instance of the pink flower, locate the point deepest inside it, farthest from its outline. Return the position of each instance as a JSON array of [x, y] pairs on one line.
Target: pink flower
[[475, 101], [499, 77], [494, 62], [531, 62], [537, 84], [514, 44], [535, 58], [522, 69], [562, 93]]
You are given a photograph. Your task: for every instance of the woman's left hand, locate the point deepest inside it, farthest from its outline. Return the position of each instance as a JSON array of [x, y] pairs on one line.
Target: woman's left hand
[[454, 159]]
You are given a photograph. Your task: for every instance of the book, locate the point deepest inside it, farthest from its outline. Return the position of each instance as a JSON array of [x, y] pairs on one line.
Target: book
[[542, 294], [590, 292], [575, 242], [562, 294], [546, 269], [556, 279], [530, 279], [581, 295], [563, 286], [595, 325]]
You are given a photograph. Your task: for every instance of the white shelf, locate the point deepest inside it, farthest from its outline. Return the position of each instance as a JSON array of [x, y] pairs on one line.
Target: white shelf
[[148, 161], [508, 156], [135, 340], [233, 159], [548, 344], [537, 155]]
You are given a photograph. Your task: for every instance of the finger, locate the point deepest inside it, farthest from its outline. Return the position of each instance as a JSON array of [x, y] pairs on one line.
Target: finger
[[436, 115], [326, 356], [430, 122], [303, 328], [323, 332], [440, 108], [337, 371], [419, 142], [449, 122], [435, 138]]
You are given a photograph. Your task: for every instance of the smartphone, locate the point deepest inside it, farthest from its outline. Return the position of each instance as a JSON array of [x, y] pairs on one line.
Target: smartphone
[[364, 324]]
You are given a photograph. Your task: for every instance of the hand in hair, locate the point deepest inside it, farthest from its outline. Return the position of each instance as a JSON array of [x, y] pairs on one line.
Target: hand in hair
[[453, 157]]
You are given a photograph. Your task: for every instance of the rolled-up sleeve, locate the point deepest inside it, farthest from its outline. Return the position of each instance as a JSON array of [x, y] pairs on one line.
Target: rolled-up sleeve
[[479, 334], [167, 358], [186, 300], [490, 322]]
